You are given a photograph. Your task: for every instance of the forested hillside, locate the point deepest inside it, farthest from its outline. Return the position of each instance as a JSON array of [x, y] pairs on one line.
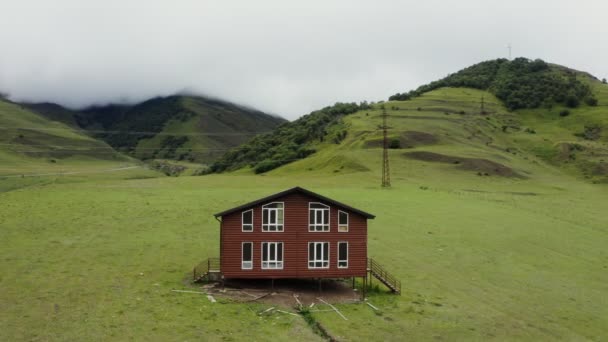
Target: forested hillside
[[188, 128], [290, 141], [521, 83]]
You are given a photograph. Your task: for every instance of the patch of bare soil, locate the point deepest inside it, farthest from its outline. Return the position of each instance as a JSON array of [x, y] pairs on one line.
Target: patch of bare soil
[[481, 166], [600, 169], [408, 139], [283, 291], [567, 151]]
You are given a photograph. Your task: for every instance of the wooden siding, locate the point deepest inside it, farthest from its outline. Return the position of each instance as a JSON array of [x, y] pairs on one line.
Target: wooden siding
[[295, 238]]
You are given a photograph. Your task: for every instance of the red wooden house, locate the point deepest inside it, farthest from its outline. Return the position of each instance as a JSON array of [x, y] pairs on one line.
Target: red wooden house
[[292, 234]]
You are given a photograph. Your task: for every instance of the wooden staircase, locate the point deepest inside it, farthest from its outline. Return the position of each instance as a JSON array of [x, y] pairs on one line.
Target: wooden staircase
[[208, 270], [376, 270]]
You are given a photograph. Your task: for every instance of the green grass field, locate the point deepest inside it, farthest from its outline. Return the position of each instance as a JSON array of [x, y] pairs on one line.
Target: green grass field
[[94, 256], [480, 259]]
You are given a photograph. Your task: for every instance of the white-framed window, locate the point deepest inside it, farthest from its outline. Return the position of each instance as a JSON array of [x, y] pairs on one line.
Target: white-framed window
[[247, 256], [247, 220], [342, 221], [272, 217], [318, 255], [342, 254], [272, 255], [318, 217]]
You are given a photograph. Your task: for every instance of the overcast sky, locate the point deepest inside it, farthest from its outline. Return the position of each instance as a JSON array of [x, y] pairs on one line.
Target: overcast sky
[[284, 57]]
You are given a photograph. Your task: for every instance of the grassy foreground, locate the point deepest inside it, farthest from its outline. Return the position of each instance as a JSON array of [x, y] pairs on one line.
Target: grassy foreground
[[480, 258]]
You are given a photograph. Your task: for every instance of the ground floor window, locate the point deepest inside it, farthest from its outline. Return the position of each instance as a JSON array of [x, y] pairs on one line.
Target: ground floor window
[[247, 256], [342, 254], [272, 255], [318, 255]]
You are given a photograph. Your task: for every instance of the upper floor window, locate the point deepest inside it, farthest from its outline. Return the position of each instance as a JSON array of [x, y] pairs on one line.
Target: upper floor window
[[318, 217], [247, 220], [272, 217], [342, 221]]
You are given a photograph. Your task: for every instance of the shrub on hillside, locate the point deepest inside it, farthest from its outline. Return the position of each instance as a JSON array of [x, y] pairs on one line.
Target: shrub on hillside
[[564, 112], [394, 144], [572, 101], [591, 101]]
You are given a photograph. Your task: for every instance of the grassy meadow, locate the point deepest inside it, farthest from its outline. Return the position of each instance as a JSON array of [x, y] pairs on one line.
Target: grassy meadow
[[490, 259]]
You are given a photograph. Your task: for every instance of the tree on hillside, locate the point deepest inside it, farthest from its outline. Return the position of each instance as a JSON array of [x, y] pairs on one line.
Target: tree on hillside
[[604, 80]]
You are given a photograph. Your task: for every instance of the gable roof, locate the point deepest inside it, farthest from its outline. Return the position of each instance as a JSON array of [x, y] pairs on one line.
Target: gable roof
[[297, 189]]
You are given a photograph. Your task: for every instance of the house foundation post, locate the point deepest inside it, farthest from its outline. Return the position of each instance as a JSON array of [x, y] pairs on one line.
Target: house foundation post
[[364, 287]]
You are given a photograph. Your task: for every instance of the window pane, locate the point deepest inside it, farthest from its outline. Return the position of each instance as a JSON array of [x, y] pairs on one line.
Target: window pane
[[280, 252], [247, 252], [319, 216], [272, 254], [318, 252], [265, 216], [265, 251], [343, 217], [280, 216], [248, 217], [325, 251], [311, 251], [342, 251]]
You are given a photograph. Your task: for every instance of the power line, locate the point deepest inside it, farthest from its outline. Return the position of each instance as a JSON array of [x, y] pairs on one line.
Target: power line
[[68, 173], [135, 132], [80, 148]]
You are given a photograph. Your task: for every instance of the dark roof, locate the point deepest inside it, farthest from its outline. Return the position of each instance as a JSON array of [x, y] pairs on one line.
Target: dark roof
[[297, 189]]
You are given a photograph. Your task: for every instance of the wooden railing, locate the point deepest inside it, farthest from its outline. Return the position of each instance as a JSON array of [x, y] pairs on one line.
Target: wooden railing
[[201, 270], [381, 274]]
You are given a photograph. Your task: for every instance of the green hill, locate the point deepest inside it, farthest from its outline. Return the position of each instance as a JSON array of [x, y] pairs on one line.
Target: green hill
[[457, 130], [521, 83], [185, 128], [33, 144]]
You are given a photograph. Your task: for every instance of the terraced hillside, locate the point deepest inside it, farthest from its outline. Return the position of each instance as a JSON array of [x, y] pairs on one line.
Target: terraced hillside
[[32, 144], [185, 128]]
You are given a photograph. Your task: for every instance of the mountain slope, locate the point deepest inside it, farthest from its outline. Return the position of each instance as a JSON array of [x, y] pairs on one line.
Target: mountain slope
[[289, 142], [191, 128], [462, 132], [30, 142]]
